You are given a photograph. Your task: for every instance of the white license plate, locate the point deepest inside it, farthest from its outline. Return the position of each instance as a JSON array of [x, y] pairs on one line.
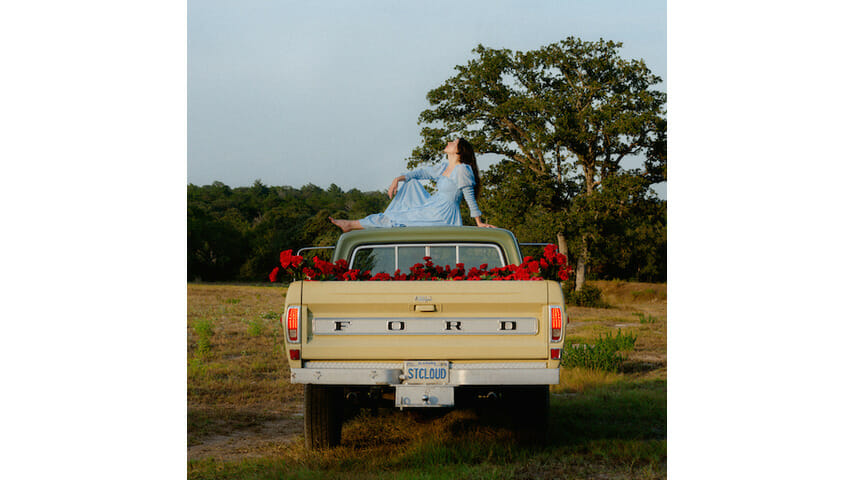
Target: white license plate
[[426, 372]]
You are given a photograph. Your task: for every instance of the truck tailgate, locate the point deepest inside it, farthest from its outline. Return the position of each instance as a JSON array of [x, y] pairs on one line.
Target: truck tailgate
[[467, 320]]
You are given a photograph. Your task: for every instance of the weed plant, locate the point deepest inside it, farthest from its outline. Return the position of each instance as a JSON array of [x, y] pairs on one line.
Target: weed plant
[[256, 328], [604, 355], [204, 332]]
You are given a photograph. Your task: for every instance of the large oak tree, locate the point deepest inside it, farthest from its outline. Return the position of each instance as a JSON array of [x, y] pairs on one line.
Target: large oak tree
[[566, 110]]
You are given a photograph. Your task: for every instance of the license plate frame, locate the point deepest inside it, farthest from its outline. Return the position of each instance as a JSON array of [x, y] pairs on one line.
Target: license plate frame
[[426, 372]]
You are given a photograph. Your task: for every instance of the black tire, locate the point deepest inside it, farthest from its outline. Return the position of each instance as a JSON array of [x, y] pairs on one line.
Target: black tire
[[529, 407], [322, 417]]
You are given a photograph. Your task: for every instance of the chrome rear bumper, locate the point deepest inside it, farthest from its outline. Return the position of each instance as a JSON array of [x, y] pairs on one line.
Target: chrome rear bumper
[[366, 373]]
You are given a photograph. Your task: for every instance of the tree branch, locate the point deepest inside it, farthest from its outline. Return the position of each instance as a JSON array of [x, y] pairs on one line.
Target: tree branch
[[518, 136]]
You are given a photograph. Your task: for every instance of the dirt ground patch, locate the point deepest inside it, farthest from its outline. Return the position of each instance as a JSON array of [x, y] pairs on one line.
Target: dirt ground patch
[[253, 442]]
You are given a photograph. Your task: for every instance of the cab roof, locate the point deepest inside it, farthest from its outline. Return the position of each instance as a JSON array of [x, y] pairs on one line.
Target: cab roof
[[503, 238]]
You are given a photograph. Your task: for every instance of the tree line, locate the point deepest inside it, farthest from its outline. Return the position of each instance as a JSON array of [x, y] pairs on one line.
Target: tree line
[[236, 234]]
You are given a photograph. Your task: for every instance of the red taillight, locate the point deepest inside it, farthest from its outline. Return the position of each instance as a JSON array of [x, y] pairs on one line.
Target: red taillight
[[293, 324], [294, 354], [557, 323], [555, 354]]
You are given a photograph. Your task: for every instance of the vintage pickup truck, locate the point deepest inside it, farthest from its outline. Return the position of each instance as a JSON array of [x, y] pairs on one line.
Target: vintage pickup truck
[[423, 344]]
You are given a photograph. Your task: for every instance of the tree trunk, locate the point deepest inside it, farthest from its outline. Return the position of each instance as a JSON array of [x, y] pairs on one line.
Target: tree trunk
[[581, 267], [561, 244]]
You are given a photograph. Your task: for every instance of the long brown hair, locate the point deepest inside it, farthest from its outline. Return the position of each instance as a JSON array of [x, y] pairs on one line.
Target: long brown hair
[[466, 153]]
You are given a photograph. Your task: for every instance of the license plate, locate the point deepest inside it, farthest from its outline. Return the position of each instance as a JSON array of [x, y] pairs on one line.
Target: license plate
[[426, 372]]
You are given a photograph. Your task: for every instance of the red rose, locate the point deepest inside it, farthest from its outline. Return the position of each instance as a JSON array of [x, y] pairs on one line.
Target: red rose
[[309, 272], [325, 267], [285, 258], [274, 274]]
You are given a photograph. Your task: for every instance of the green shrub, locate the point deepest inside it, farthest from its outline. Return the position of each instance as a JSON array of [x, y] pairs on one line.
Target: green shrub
[[603, 355], [256, 328], [589, 296], [204, 332], [620, 342]]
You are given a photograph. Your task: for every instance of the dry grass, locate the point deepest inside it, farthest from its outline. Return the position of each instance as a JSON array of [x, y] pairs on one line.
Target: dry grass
[[628, 293], [244, 416], [630, 302], [242, 380]]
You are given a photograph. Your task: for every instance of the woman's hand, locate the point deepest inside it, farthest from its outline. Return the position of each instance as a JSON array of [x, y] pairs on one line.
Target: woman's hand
[[392, 190], [481, 223]]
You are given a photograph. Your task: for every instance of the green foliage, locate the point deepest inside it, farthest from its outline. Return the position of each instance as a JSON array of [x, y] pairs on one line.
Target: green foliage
[[630, 237], [204, 332], [531, 203], [256, 328], [625, 227], [588, 296], [570, 113], [237, 234], [603, 355]]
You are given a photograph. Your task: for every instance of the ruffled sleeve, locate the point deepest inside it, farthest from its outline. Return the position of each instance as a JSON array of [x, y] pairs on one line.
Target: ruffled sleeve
[[428, 172], [465, 181], [465, 177]]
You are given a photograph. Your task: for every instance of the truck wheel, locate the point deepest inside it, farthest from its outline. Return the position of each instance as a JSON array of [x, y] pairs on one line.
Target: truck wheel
[[530, 407], [322, 417]]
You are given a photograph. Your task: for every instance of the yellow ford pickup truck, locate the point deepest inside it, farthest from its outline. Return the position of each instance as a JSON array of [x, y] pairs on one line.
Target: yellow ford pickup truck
[[423, 344]]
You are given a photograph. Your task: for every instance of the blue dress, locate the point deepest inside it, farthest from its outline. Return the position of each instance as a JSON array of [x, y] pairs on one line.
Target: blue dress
[[414, 207]]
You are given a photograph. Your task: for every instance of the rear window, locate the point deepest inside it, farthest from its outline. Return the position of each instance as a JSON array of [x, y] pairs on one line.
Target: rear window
[[388, 258]]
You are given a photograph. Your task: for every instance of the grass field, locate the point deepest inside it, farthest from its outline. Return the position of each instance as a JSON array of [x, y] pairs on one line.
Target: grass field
[[244, 418]]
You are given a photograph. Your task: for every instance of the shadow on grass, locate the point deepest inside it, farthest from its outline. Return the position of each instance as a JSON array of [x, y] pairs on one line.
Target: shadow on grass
[[612, 431], [621, 411]]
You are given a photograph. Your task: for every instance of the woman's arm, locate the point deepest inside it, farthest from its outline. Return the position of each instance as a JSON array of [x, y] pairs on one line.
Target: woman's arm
[[468, 194], [422, 173], [392, 190]]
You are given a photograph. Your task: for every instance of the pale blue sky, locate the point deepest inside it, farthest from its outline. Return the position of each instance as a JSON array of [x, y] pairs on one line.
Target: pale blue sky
[[330, 91]]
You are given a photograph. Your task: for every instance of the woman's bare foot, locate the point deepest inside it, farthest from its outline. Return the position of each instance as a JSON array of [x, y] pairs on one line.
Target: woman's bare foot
[[346, 225]]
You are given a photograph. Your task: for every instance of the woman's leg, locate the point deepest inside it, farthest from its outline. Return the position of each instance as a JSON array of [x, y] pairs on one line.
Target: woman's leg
[[347, 225]]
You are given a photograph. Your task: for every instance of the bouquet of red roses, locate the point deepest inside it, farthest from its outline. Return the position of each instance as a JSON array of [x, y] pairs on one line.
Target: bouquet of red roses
[[552, 266]]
